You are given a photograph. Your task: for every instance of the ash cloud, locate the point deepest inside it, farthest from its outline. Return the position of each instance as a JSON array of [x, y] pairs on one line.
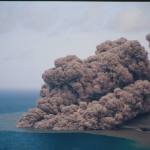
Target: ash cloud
[[100, 92], [148, 38]]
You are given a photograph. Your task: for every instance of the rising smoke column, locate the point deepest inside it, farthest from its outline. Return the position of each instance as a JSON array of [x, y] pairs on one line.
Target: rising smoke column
[[148, 38], [75, 83]]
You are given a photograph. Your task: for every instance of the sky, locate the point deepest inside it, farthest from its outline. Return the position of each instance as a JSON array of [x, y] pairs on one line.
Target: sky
[[34, 34]]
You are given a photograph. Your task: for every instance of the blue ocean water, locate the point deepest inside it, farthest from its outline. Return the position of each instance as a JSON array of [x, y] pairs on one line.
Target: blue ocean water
[[17, 101], [13, 103], [61, 141]]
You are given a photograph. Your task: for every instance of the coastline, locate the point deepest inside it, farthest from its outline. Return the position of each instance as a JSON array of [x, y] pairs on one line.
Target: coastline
[[127, 131]]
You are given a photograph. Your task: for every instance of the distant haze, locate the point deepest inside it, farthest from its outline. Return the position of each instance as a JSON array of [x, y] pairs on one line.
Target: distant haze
[[34, 34]]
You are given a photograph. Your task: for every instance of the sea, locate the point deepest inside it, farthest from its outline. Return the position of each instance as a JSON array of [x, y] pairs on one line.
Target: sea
[[13, 103]]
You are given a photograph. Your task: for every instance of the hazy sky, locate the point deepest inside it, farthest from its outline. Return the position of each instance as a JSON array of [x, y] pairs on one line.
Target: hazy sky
[[34, 34]]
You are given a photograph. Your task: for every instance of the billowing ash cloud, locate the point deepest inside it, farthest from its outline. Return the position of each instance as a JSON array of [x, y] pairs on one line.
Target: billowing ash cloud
[[148, 38], [100, 92]]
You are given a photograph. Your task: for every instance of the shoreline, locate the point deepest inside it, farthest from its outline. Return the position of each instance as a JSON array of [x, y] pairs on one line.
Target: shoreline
[[128, 131]]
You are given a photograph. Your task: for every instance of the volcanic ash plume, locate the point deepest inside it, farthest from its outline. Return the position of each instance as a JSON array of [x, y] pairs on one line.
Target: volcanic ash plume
[[101, 92], [148, 38]]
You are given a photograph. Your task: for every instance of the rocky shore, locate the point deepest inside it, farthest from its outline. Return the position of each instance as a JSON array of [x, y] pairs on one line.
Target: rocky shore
[[101, 92]]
